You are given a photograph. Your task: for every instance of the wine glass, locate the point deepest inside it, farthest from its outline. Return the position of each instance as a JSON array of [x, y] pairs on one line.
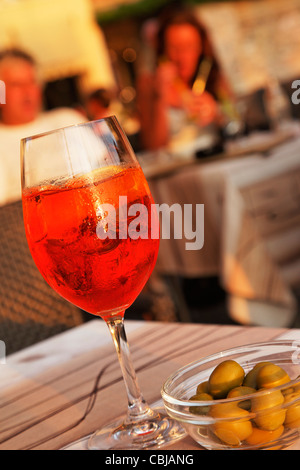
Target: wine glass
[[93, 233]]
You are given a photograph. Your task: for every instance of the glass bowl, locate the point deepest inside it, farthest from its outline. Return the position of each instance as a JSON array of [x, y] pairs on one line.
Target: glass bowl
[[266, 419]]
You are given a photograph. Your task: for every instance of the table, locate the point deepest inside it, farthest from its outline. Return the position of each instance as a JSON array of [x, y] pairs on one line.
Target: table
[[47, 391], [251, 224]]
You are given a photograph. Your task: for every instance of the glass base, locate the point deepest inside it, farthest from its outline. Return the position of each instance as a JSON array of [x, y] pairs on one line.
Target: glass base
[[152, 433]]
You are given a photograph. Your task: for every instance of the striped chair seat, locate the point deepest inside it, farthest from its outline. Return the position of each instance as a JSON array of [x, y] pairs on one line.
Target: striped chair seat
[[30, 310]]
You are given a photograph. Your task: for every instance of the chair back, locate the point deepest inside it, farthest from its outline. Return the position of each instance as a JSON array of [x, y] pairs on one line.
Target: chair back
[[30, 311]]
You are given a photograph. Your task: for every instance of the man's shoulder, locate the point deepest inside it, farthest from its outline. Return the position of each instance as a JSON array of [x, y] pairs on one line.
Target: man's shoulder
[[9, 133], [61, 117]]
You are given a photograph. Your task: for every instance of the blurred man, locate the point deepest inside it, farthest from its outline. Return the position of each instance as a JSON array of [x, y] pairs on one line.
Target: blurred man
[[22, 116]]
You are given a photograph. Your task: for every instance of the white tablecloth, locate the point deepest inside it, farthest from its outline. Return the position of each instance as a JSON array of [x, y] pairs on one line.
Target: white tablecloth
[[251, 229]]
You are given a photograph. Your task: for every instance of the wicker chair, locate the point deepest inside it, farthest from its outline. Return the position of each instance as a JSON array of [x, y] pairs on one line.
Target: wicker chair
[[30, 310]]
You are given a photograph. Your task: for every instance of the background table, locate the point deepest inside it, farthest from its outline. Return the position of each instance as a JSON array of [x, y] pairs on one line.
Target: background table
[[54, 394], [251, 225]]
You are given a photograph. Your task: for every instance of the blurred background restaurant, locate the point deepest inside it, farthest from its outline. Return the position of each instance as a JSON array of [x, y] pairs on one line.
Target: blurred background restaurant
[[90, 55]]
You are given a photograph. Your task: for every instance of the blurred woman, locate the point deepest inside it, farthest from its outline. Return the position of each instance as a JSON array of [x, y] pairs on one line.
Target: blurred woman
[[186, 84]]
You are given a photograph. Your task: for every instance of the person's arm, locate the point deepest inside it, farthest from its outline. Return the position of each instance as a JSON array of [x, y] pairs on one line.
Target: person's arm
[[153, 114], [203, 108]]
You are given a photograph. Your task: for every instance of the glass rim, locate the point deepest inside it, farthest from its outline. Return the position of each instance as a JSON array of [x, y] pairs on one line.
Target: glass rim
[[111, 118]]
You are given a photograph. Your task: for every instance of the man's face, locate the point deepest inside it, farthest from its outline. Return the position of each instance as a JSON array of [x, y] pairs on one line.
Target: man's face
[[23, 93]]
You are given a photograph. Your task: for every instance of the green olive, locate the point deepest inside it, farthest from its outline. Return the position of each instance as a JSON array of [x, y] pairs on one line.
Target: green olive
[[259, 436], [203, 387], [271, 375], [232, 425], [287, 391], [240, 392], [292, 419], [297, 386], [200, 410], [251, 378], [268, 408], [227, 375]]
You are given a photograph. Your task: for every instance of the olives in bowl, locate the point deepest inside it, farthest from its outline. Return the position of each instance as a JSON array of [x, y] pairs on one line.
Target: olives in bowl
[[243, 398]]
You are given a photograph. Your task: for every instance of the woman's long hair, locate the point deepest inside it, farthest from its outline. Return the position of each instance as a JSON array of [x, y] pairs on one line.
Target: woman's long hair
[[178, 16]]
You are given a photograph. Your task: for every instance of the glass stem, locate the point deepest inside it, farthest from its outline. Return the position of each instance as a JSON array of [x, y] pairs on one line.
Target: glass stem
[[137, 406]]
